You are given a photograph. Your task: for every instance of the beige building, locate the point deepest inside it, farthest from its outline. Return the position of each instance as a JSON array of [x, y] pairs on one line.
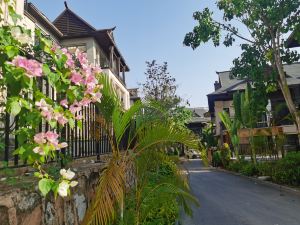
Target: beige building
[[71, 31], [222, 100]]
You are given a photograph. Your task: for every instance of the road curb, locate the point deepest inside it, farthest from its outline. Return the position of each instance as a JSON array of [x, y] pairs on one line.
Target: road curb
[[267, 183]]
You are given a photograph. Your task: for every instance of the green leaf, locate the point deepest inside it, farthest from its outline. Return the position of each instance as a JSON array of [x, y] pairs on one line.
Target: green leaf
[[79, 124], [71, 123], [46, 69], [14, 106], [45, 186], [52, 123], [53, 78], [19, 151], [11, 51]]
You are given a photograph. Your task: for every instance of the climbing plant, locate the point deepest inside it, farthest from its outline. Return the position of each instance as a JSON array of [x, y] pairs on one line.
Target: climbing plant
[[23, 65]]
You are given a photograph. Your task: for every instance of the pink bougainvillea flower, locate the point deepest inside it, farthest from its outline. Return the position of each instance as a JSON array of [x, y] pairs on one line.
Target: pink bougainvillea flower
[[32, 67], [96, 97], [76, 78], [42, 105], [47, 115], [78, 117], [64, 103], [85, 102], [70, 62], [91, 80], [39, 150], [62, 120], [51, 137], [97, 69], [74, 108], [63, 145], [82, 57], [40, 138]]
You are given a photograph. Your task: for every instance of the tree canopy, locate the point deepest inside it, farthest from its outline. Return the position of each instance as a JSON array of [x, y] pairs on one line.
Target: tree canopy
[[268, 24]]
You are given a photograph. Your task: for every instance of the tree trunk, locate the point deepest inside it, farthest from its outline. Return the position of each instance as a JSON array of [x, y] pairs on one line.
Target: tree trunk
[[287, 94]]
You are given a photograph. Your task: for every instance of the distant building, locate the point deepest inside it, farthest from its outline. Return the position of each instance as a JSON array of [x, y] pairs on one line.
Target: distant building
[[222, 100], [200, 119], [134, 95]]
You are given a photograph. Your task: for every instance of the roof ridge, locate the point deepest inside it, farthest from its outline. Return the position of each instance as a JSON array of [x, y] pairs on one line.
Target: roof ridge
[[77, 16]]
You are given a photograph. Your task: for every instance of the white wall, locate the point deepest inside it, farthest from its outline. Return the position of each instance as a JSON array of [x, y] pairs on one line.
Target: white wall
[[121, 91]]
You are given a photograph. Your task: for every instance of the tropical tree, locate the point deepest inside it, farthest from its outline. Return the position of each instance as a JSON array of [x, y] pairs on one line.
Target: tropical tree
[[264, 49], [208, 137], [160, 88], [249, 107], [142, 133], [232, 127]]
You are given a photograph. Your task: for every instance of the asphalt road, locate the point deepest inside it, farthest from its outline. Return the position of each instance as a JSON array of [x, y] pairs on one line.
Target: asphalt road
[[227, 199]]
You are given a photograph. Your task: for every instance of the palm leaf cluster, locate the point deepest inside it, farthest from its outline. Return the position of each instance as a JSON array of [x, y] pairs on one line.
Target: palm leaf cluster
[[131, 134]]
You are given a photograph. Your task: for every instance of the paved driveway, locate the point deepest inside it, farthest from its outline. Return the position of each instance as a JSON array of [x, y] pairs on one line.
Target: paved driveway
[[227, 199]]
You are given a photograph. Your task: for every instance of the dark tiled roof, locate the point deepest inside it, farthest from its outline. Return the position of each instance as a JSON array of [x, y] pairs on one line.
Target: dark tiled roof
[[292, 41], [36, 15], [231, 85], [199, 115], [71, 24]]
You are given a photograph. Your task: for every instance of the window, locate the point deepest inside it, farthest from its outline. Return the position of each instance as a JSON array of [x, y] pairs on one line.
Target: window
[[104, 62], [73, 48], [97, 60]]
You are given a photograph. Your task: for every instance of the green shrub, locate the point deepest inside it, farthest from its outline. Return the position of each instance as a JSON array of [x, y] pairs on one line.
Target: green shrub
[[235, 166], [249, 169], [287, 170], [265, 168], [284, 171], [225, 155], [216, 159]]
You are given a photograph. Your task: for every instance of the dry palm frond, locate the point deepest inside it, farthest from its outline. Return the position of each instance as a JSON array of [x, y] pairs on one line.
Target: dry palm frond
[[109, 194]]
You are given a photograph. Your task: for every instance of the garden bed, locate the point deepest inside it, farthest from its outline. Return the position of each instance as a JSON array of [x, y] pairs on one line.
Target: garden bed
[[285, 171]]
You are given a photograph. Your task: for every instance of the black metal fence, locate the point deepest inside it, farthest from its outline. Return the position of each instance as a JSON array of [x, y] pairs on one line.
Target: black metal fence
[[89, 140]]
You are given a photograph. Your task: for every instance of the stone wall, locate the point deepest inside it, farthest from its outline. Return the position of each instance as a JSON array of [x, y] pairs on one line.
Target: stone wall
[[27, 207]]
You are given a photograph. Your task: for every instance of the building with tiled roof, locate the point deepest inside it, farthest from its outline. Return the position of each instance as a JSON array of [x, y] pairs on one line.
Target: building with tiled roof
[[222, 98]]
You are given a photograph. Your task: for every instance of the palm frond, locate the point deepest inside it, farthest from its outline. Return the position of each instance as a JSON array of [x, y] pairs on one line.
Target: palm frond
[[122, 120], [109, 194], [159, 133], [109, 101]]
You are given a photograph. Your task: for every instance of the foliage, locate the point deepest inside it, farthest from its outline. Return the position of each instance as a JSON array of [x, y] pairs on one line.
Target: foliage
[[283, 171], [222, 156], [155, 198], [208, 137], [160, 89], [225, 154], [160, 86], [249, 169], [287, 170], [143, 133], [216, 159], [23, 68], [232, 127], [264, 45], [249, 107]]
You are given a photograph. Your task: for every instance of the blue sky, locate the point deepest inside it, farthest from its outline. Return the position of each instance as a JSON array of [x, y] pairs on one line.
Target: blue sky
[[155, 29]]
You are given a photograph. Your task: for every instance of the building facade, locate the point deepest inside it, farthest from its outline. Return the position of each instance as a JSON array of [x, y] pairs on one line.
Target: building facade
[[222, 100], [71, 31]]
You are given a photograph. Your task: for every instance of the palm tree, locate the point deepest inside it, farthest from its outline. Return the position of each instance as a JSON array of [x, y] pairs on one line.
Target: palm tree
[[141, 133]]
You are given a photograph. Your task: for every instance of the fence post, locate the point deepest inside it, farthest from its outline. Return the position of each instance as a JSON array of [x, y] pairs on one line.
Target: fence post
[[16, 157], [6, 141]]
